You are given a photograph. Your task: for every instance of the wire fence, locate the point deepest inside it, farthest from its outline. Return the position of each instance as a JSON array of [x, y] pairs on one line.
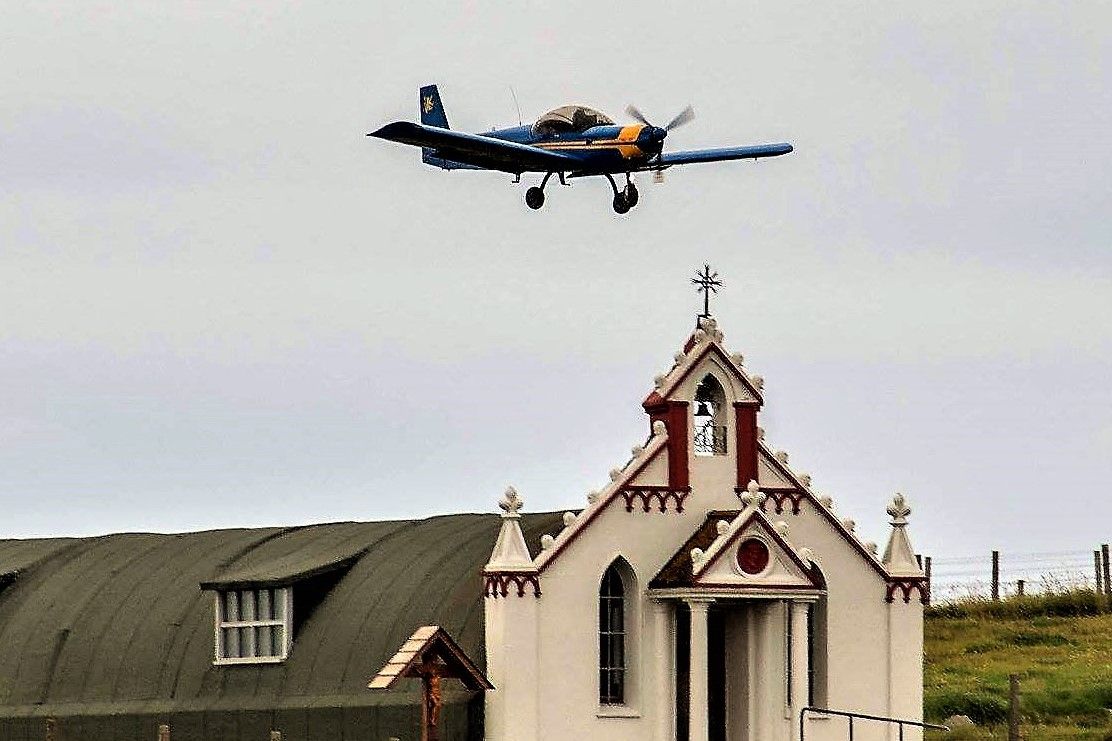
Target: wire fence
[[1050, 571]]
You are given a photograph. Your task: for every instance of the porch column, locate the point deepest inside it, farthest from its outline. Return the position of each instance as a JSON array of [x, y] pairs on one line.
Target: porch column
[[663, 684], [800, 669], [699, 723]]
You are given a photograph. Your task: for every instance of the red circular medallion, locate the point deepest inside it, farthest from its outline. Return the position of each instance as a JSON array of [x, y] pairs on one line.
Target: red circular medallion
[[752, 556]]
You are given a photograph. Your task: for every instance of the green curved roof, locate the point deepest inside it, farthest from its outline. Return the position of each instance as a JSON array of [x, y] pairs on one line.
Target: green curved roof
[[119, 625]]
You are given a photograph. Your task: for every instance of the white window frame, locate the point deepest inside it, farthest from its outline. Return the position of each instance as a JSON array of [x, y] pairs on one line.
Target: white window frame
[[220, 624]]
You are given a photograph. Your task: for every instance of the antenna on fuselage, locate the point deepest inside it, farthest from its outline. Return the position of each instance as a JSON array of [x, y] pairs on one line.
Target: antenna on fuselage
[[516, 105]]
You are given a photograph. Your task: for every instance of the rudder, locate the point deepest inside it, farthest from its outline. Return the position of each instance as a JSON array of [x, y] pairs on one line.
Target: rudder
[[432, 110]]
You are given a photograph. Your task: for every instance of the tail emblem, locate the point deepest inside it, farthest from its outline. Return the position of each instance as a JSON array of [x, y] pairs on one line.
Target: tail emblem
[[428, 104]]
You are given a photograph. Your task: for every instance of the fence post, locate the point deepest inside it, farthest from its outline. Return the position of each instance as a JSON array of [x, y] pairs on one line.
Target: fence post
[[1013, 707], [1107, 577], [1097, 572], [164, 732], [1019, 587], [51, 729], [996, 576]]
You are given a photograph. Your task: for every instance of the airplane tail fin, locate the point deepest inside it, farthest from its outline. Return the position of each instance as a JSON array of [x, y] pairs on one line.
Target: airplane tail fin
[[432, 110]]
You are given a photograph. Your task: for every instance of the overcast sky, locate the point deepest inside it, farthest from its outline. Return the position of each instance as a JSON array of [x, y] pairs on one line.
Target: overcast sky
[[223, 306]]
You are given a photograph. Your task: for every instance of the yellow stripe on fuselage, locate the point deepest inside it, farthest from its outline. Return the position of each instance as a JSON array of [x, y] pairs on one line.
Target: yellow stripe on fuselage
[[624, 143]]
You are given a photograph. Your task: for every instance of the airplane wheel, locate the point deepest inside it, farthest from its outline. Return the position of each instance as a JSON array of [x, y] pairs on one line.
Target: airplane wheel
[[534, 198], [620, 204], [631, 195]]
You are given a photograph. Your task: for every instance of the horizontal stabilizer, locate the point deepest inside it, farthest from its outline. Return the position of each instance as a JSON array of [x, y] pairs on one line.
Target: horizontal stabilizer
[[473, 149]]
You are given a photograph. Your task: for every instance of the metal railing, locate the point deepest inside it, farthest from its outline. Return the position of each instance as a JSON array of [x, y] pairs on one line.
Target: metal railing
[[864, 716], [710, 439]]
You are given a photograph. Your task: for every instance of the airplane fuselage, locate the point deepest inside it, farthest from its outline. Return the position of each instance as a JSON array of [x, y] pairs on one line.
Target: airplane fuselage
[[599, 149]]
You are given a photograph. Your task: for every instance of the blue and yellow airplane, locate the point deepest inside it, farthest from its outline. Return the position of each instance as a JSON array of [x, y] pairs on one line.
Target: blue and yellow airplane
[[570, 141]]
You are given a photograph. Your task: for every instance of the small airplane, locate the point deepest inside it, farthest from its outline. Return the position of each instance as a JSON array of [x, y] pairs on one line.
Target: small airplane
[[570, 141]]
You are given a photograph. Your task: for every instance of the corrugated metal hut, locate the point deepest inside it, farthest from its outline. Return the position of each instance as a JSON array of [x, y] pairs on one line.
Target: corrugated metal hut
[[114, 635]]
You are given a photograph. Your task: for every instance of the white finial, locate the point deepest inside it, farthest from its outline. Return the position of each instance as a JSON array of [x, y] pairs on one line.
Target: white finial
[[722, 527], [758, 382], [738, 358], [849, 524], [511, 503], [569, 518], [871, 547], [547, 541], [782, 529], [700, 335], [806, 555], [592, 496], [659, 428], [679, 356], [752, 495], [615, 474], [782, 456], [898, 510], [658, 380], [637, 450], [805, 479]]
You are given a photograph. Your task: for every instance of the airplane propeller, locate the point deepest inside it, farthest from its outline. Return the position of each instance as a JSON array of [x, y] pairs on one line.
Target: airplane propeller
[[683, 117]]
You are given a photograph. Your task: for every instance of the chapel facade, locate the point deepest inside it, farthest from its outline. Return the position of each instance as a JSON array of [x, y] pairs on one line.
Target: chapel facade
[[707, 593], [724, 595]]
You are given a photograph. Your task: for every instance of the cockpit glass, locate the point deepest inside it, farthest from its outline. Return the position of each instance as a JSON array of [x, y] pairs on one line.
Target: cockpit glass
[[570, 118]]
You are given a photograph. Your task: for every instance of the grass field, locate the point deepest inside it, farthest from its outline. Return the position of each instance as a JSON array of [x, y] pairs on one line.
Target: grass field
[[1060, 647]]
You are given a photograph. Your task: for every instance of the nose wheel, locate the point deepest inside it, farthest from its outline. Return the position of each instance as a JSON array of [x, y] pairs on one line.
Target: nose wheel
[[626, 198]]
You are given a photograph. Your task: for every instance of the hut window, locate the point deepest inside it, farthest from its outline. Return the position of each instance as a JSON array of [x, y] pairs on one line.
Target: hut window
[[253, 626], [611, 639]]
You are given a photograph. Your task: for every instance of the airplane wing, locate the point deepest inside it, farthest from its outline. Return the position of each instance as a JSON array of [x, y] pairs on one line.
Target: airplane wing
[[720, 154], [483, 151]]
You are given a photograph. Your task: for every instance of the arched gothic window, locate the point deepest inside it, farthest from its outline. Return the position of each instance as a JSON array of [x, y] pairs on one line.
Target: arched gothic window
[[710, 417], [612, 638], [816, 646]]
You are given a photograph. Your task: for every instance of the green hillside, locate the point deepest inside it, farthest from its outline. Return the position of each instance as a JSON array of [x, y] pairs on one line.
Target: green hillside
[[1061, 647]]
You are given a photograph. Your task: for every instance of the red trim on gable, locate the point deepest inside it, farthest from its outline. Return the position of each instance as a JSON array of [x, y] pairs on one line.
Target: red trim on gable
[[834, 521], [591, 517], [674, 416], [782, 544], [745, 420], [712, 347]]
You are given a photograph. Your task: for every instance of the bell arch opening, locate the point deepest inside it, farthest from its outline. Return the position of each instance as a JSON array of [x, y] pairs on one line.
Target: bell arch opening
[[710, 417]]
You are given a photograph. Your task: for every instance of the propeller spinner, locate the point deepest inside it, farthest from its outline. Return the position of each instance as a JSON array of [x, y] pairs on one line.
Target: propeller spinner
[[657, 134]]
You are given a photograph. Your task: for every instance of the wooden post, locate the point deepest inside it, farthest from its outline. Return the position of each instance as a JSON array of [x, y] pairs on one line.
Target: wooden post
[[164, 732], [1019, 587], [927, 572], [1097, 572], [51, 729], [1107, 575], [1013, 707], [996, 576]]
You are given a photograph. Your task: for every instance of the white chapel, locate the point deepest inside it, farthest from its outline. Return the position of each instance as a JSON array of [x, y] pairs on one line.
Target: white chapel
[[706, 594]]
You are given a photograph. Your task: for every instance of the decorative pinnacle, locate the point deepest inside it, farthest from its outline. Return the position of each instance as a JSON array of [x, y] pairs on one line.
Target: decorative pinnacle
[[898, 510], [511, 503], [708, 283]]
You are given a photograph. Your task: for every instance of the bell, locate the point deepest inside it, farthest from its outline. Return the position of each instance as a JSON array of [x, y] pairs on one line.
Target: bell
[[703, 410]]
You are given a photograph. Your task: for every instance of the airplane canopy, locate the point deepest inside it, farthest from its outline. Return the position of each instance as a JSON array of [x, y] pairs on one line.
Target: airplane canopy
[[570, 118]]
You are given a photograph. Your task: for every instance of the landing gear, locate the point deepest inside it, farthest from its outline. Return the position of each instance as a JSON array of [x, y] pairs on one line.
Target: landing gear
[[626, 198], [631, 194], [534, 198]]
